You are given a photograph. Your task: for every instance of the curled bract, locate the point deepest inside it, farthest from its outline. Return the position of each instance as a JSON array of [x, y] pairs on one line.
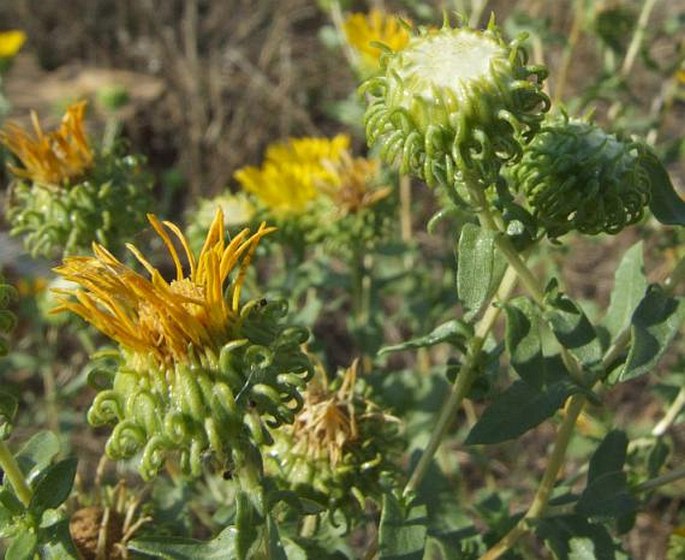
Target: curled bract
[[455, 103], [575, 176]]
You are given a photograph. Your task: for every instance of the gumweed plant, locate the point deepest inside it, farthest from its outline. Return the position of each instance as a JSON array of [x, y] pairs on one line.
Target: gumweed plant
[[65, 193], [213, 396], [464, 111]]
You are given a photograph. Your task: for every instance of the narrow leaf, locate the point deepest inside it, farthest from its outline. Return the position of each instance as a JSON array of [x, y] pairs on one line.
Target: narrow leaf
[[401, 535], [174, 548], [478, 267], [664, 202], [454, 331], [54, 487], [518, 409], [572, 329], [629, 289], [22, 547], [654, 324], [524, 342]]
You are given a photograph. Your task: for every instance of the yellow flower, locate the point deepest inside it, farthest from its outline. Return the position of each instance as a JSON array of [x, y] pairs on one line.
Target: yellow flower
[[52, 158], [293, 171], [11, 42], [170, 321], [361, 30]]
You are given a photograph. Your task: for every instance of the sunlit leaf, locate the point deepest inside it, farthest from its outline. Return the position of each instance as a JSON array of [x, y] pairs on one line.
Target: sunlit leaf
[[479, 265], [654, 324], [401, 535], [524, 342], [629, 289]]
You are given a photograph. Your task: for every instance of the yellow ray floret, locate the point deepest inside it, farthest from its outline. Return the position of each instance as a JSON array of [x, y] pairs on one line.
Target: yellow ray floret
[[51, 158], [363, 30], [151, 316], [292, 171], [11, 42]]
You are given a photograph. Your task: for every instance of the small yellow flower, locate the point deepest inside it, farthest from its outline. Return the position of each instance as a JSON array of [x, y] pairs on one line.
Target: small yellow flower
[[11, 42], [53, 158], [293, 171], [361, 30], [169, 321]]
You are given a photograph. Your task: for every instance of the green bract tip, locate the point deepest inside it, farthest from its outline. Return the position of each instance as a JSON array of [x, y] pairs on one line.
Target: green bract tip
[[455, 102]]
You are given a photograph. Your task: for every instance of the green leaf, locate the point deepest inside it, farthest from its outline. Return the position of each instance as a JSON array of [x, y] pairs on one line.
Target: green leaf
[[37, 453], [401, 535], [7, 321], [517, 409], [629, 289], [572, 329], [607, 494], [58, 544], [276, 550], [8, 408], [455, 332], [479, 266], [664, 202], [524, 342], [654, 324], [54, 487], [22, 546], [174, 548], [572, 537], [657, 457]]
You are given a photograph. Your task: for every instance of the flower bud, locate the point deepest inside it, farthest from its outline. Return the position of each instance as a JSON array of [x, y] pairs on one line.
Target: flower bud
[[455, 102], [577, 177]]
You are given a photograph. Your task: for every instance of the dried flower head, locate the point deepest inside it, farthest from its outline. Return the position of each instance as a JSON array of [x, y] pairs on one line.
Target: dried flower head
[[55, 158]]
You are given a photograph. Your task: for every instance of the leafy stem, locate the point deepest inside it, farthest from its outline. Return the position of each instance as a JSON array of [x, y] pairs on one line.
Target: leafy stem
[[13, 473]]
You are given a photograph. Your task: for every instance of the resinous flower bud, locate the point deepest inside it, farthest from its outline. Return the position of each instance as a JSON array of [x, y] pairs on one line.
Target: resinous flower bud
[[577, 177], [455, 103], [341, 449], [65, 194], [199, 373]]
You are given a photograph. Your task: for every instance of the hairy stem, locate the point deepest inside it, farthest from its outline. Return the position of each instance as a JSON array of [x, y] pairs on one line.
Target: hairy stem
[[462, 383]]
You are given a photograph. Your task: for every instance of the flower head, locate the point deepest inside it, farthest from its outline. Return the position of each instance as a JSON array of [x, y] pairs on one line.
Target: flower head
[[289, 178], [577, 177], [455, 102], [340, 447], [198, 374], [53, 158], [11, 43], [155, 317], [364, 33]]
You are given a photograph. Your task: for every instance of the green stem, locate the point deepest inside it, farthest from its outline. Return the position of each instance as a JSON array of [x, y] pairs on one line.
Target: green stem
[[544, 491], [13, 473], [667, 478], [462, 383]]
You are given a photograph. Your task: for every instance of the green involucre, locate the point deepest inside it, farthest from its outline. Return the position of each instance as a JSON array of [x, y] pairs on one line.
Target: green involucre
[[577, 177], [108, 205], [455, 102], [213, 405]]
